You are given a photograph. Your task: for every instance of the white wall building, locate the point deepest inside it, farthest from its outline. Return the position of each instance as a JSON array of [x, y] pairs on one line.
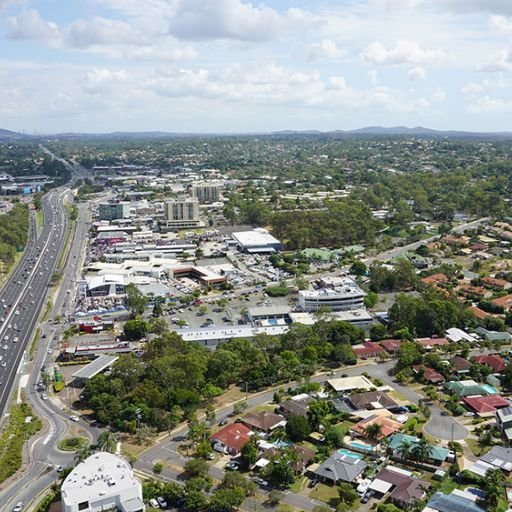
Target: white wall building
[[182, 213], [344, 295], [101, 482]]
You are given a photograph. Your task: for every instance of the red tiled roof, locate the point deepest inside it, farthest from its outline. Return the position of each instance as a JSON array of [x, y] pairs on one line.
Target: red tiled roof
[[497, 363], [234, 436], [432, 342], [505, 302], [494, 283], [486, 404], [391, 345], [459, 363], [368, 348], [479, 313], [434, 279], [429, 374], [475, 291]]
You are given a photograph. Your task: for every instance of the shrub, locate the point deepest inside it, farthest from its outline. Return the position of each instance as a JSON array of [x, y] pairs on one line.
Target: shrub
[[58, 386]]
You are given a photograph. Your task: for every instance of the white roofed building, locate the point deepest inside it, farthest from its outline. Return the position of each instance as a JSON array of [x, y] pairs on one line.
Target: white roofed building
[[101, 482], [256, 241]]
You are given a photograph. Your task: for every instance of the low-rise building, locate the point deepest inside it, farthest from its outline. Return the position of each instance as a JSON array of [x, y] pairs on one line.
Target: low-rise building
[[264, 421], [103, 481], [469, 387], [494, 361], [231, 438], [341, 466], [367, 349], [344, 294], [504, 421], [347, 384]]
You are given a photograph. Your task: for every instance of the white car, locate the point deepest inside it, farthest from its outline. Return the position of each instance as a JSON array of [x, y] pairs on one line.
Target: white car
[[44, 396], [3, 364], [154, 503], [6, 338], [18, 507], [74, 418], [5, 347], [15, 339]]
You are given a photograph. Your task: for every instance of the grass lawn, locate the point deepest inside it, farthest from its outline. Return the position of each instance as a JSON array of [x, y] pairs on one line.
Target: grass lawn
[[398, 396], [448, 485], [299, 484], [475, 447], [326, 493]]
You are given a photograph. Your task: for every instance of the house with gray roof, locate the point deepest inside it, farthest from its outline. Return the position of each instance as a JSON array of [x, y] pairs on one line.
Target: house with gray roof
[[504, 421], [340, 467], [455, 502]]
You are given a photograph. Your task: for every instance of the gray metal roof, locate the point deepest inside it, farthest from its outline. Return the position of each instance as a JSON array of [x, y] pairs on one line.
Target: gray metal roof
[[95, 367], [453, 503], [341, 467]]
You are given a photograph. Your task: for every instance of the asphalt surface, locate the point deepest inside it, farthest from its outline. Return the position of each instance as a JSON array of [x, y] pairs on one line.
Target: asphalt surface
[[43, 456]]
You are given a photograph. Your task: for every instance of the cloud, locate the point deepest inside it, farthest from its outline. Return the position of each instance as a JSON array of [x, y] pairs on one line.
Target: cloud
[[501, 23], [486, 105], [30, 25], [233, 19], [416, 73], [469, 6], [497, 63], [404, 52], [101, 80], [325, 49]]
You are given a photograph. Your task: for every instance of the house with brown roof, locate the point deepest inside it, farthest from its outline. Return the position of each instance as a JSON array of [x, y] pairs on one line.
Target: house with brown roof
[[430, 343], [295, 406], [479, 246], [496, 362], [231, 438], [304, 457], [387, 427], [460, 365], [429, 374], [404, 489], [434, 279], [264, 421], [479, 313], [367, 349], [486, 406], [371, 400], [505, 302], [391, 346], [474, 292], [495, 284]]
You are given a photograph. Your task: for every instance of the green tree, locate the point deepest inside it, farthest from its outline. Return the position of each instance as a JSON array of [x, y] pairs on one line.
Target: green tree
[[250, 453], [373, 431], [377, 332], [106, 442], [157, 468], [358, 268], [297, 428], [226, 500], [493, 484], [275, 497], [135, 300], [136, 329], [347, 493], [196, 468]]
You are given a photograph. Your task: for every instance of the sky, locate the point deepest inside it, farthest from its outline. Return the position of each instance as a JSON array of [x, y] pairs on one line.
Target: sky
[[210, 66]]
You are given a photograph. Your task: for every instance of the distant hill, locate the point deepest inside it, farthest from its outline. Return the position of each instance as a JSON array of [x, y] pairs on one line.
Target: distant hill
[[8, 135], [369, 131]]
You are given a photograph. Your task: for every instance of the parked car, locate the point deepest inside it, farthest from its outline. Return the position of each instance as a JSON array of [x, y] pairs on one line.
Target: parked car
[[154, 503], [233, 466], [260, 481], [18, 507], [161, 502]]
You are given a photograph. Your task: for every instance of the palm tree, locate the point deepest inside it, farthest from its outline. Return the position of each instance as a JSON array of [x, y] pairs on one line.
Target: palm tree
[[404, 449], [373, 431], [422, 450], [494, 481], [107, 442], [82, 453]]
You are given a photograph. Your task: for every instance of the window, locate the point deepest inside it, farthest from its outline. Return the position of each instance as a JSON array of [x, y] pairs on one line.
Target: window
[[83, 506]]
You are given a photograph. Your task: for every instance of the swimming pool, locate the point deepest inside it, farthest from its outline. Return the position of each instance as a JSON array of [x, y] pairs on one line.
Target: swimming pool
[[348, 453], [360, 446], [489, 389]]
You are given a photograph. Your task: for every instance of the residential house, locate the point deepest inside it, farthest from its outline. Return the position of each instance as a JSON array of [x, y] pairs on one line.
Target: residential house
[[460, 365], [348, 384], [505, 302], [304, 457], [264, 421], [371, 400], [456, 335], [486, 406], [387, 427], [469, 387], [434, 279], [429, 374], [231, 438], [496, 362], [295, 406], [391, 346], [430, 343], [438, 455], [504, 421], [495, 284], [497, 457], [457, 501], [404, 489], [367, 349], [341, 466], [494, 335], [479, 313], [474, 292]]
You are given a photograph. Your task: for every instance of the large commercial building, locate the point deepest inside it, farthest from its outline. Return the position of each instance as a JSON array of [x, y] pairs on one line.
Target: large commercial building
[[113, 210], [206, 193], [101, 482], [258, 240], [343, 294], [182, 213]]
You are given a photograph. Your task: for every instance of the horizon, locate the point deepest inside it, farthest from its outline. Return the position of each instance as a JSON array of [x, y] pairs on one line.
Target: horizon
[[234, 66]]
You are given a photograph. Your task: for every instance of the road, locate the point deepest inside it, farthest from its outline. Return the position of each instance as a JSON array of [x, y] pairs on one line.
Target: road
[[400, 251]]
